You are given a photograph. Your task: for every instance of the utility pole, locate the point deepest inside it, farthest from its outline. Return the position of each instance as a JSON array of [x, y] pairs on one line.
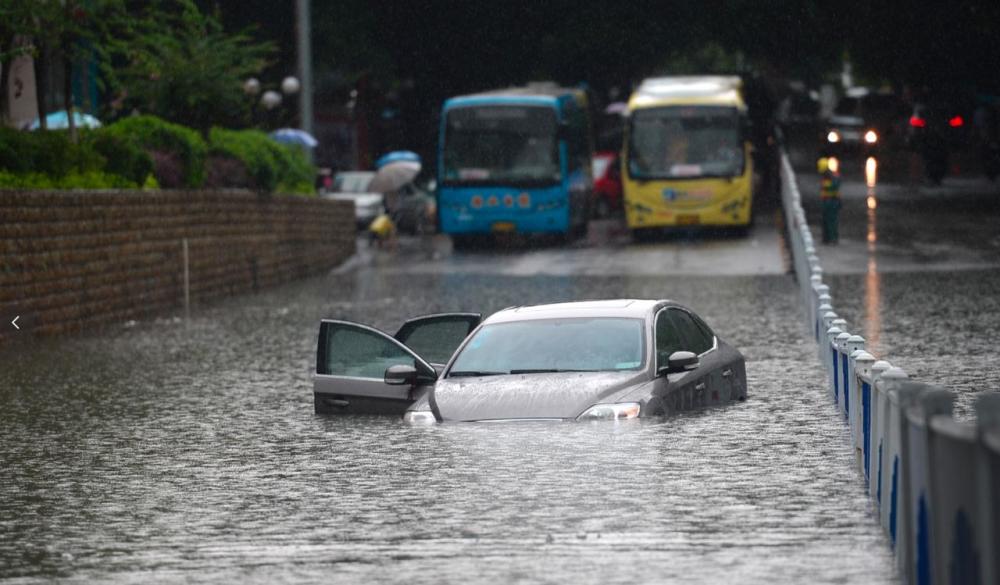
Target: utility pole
[[303, 37]]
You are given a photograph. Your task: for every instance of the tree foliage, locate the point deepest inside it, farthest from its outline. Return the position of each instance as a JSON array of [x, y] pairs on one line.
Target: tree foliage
[[185, 68], [70, 31]]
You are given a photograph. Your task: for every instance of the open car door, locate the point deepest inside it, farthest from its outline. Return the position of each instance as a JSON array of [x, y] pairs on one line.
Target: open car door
[[436, 337], [361, 370]]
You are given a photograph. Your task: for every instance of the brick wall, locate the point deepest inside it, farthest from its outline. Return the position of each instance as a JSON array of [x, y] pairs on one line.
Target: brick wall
[[75, 260]]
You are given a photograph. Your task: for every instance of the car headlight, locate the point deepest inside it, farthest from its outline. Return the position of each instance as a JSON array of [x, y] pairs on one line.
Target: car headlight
[[419, 417], [833, 136], [618, 411], [871, 137]]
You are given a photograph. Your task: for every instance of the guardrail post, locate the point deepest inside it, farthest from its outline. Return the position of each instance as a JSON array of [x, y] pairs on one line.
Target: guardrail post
[[920, 510], [811, 296], [823, 309], [822, 344], [852, 346], [900, 399], [957, 513], [988, 485], [832, 360], [883, 449], [861, 381], [843, 366], [871, 425]]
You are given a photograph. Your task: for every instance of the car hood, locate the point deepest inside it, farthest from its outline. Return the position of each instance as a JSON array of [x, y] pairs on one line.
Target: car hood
[[522, 396]]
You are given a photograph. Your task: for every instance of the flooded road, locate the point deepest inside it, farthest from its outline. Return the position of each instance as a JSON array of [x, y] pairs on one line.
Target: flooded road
[[189, 452]]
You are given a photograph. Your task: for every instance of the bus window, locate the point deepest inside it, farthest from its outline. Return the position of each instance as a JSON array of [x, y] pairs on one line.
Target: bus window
[[685, 142], [501, 144]]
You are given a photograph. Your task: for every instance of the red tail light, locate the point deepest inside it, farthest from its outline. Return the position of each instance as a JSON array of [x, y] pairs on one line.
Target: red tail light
[[917, 122], [956, 122]]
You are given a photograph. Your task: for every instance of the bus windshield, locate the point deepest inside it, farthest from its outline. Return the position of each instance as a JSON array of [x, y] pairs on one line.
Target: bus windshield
[[501, 144], [681, 142]]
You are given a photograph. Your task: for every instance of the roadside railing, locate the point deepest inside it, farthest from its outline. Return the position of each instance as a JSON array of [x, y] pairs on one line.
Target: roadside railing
[[934, 481]]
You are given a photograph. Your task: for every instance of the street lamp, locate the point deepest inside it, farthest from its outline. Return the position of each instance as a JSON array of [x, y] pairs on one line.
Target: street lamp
[[271, 99], [251, 86], [290, 85]]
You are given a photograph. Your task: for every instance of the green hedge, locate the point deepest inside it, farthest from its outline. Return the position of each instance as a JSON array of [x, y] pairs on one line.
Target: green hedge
[[145, 151], [272, 166], [153, 134], [71, 180], [50, 153], [123, 156]]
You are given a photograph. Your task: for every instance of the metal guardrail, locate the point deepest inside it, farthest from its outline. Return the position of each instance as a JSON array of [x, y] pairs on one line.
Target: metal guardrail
[[934, 481]]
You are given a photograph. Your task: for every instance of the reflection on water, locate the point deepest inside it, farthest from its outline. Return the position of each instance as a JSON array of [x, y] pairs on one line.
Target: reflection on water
[[871, 171], [873, 296], [175, 454]]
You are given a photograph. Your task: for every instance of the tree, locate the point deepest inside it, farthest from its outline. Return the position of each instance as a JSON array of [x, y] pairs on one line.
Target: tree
[[184, 68], [12, 45], [66, 30]]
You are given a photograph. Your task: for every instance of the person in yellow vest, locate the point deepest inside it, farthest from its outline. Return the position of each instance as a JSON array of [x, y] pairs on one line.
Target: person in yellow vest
[[829, 193]]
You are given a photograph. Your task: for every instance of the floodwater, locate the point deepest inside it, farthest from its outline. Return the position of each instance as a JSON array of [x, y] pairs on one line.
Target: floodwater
[[189, 452]]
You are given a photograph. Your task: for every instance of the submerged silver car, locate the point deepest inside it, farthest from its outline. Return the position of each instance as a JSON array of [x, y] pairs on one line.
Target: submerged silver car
[[589, 360]]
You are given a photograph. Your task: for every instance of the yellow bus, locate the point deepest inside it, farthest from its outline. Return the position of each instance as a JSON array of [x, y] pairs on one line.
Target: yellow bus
[[686, 157]]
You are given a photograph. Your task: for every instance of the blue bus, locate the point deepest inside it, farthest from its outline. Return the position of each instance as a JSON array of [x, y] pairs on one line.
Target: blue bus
[[515, 160]]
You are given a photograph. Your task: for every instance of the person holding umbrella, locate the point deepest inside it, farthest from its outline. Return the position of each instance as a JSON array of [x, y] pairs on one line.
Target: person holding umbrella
[[394, 171]]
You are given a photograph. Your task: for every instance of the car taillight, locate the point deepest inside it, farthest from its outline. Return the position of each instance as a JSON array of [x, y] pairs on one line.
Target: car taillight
[[917, 122], [956, 122]]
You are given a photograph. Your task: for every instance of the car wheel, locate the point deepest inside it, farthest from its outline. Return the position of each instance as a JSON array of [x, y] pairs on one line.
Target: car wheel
[[463, 241]]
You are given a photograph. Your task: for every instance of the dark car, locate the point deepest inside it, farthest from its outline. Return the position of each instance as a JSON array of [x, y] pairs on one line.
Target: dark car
[[947, 119], [591, 360], [863, 122]]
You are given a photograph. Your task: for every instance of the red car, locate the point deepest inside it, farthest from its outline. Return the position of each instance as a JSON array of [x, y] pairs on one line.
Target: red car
[[607, 183]]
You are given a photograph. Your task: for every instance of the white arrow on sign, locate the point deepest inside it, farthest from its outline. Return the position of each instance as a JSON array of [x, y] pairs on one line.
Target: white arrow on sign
[[14, 322]]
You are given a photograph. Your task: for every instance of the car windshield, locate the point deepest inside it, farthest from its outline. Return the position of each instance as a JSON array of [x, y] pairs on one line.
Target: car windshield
[[848, 106], [685, 142], [579, 344], [352, 182], [507, 144]]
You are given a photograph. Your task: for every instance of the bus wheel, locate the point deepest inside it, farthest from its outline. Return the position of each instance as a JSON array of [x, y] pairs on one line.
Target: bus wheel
[[463, 242]]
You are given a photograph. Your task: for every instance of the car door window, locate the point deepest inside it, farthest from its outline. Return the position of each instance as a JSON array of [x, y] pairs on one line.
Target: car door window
[[695, 338], [668, 338], [436, 337], [356, 352]]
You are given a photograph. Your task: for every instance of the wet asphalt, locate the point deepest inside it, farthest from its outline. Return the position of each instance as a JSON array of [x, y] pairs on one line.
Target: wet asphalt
[[188, 451]]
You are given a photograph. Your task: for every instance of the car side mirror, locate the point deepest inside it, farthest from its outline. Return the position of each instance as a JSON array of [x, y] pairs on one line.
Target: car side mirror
[[401, 374], [679, 361]]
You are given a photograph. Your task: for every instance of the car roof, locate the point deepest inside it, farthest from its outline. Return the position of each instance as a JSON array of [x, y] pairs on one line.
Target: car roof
[[624, 308]]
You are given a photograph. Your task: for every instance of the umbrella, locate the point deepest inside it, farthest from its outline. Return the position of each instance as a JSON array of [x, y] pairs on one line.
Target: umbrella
[[397, 156], [294, 137], [393, 174], [60, 121], [620, 108]]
